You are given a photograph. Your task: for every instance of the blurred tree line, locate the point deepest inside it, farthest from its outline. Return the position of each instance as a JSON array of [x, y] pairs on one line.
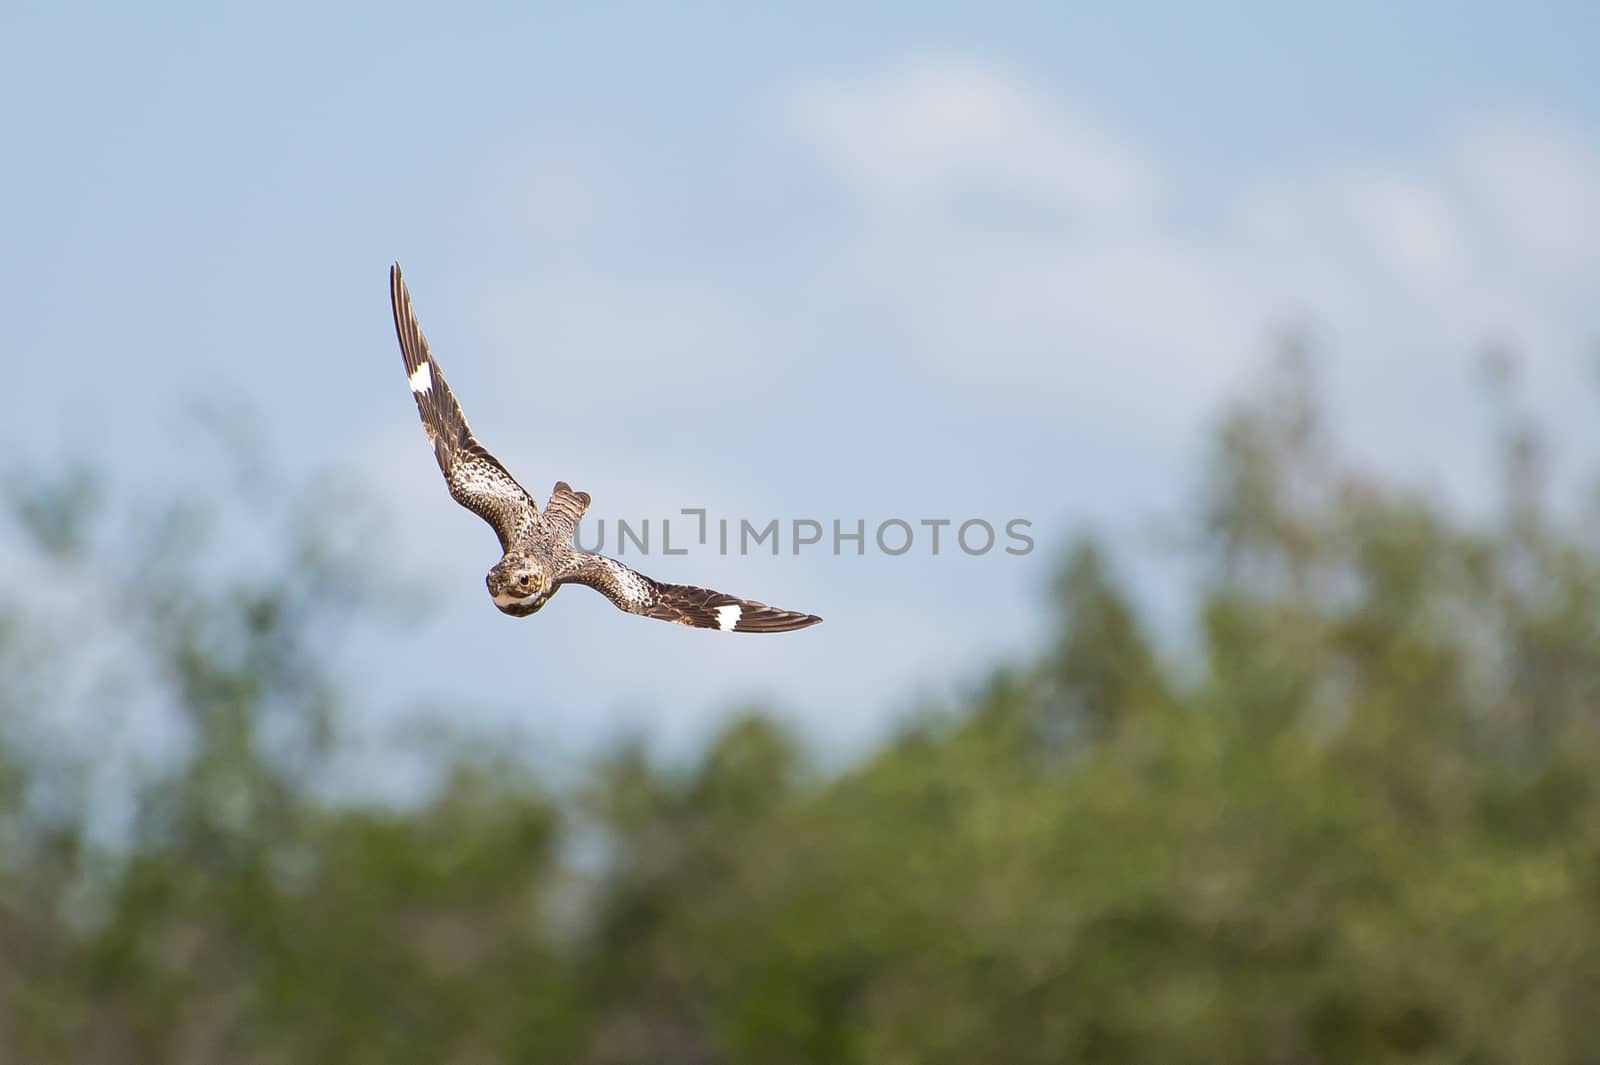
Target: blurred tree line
[[1355, 819]]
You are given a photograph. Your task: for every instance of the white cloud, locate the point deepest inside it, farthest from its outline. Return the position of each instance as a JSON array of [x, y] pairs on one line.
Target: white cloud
[[1078, 281], [927, 133], [1535, 184]]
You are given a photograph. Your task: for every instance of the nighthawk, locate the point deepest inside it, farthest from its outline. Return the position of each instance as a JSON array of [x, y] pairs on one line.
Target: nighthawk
[[539, 555]]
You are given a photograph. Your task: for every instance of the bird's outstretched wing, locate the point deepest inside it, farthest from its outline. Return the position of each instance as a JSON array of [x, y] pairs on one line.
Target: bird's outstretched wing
[[704, 609], [476, 479]]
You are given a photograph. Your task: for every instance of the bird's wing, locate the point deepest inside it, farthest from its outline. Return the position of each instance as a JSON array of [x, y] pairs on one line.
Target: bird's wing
[[704, 609], [476, 479]]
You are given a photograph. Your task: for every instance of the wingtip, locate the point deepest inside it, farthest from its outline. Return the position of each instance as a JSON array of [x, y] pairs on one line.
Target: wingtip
[[792, 622]]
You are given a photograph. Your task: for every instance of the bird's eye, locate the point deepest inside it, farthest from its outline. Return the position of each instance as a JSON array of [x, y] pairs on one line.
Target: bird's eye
[[524, 578]]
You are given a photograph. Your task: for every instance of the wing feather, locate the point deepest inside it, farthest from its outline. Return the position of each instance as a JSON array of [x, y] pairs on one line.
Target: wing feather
[[684, 604], [476, 479]]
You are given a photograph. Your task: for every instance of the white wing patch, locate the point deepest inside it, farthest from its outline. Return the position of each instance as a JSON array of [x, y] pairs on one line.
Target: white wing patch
[[728, 616], [421, 379]]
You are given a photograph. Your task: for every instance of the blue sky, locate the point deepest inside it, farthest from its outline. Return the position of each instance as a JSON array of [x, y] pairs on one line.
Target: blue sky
[[977, 261]]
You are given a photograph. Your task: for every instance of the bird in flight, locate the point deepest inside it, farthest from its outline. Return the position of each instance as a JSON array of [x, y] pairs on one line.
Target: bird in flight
[[538, 552]]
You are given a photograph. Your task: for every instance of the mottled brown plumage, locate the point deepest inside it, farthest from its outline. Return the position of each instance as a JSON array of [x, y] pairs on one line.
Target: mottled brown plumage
[[538, 555]]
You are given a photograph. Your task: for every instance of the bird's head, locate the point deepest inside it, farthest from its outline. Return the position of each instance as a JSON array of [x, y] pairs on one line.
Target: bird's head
[[520, 585]]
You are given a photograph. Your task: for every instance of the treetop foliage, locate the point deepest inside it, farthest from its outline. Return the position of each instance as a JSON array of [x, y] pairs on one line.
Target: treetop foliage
[[1356, 819]]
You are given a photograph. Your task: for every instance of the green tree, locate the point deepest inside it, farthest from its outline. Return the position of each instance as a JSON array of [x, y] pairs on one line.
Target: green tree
[[1352, 818]]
